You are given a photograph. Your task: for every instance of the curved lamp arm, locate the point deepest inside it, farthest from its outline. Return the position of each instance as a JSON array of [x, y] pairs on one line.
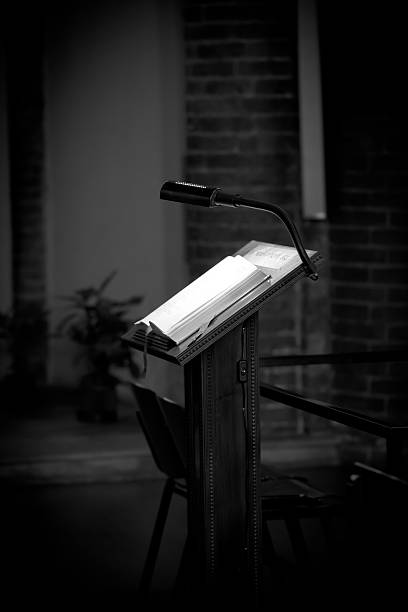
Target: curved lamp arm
[[188, 193]]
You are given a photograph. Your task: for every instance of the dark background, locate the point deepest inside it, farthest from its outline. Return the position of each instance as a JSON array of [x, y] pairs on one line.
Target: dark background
[[237, 100]]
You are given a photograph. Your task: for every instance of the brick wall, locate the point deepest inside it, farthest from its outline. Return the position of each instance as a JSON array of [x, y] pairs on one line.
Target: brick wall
[[243, 136], [368, 238], [366, 128], [24, 56]]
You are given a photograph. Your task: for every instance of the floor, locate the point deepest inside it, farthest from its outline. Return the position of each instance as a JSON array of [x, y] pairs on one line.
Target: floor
[[78, 505]]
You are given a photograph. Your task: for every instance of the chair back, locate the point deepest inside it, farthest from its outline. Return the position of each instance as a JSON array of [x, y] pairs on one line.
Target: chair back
[[159, 418], [176, 420]]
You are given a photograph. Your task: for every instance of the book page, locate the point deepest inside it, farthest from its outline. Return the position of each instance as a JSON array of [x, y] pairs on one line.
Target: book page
[[219, 279], [270, 255], [202, 317], [274, 259]]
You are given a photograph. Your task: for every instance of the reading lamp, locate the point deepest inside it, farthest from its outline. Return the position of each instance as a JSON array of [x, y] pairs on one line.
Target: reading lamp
[[201, 195]]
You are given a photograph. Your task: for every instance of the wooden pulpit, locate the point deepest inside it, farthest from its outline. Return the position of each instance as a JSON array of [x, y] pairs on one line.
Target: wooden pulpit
[[221, 382]]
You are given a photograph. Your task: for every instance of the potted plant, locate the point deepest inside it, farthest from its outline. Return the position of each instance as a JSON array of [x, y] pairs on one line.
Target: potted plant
[[96, 322]]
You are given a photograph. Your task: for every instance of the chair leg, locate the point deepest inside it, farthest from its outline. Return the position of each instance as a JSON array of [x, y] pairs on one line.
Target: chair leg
[[183, 577], [297, 539], [148, 569], [268, 549]]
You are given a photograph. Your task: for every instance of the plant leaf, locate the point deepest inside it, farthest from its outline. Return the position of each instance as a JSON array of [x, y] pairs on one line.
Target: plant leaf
[[106, 282]]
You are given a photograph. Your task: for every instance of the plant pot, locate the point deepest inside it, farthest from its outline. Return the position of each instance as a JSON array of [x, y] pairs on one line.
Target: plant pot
[[98, 399]]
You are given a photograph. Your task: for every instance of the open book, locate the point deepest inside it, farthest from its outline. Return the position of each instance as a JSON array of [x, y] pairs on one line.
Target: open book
[[188, 314]]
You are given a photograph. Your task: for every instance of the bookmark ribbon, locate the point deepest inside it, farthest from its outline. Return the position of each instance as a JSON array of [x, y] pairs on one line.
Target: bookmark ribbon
[[145, 341]]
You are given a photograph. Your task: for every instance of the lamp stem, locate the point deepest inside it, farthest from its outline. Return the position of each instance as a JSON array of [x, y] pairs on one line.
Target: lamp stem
[[290, 226]]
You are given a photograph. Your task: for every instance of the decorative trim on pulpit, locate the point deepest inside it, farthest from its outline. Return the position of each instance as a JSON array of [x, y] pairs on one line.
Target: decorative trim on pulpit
[[254, 529], [209, 463]]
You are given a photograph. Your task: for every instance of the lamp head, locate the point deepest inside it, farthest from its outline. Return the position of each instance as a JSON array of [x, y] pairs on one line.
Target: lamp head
[[189, 193]]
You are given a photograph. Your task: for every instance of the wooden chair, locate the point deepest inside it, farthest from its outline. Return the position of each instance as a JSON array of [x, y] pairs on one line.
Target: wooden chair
[[162, 422], [283, 497]]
